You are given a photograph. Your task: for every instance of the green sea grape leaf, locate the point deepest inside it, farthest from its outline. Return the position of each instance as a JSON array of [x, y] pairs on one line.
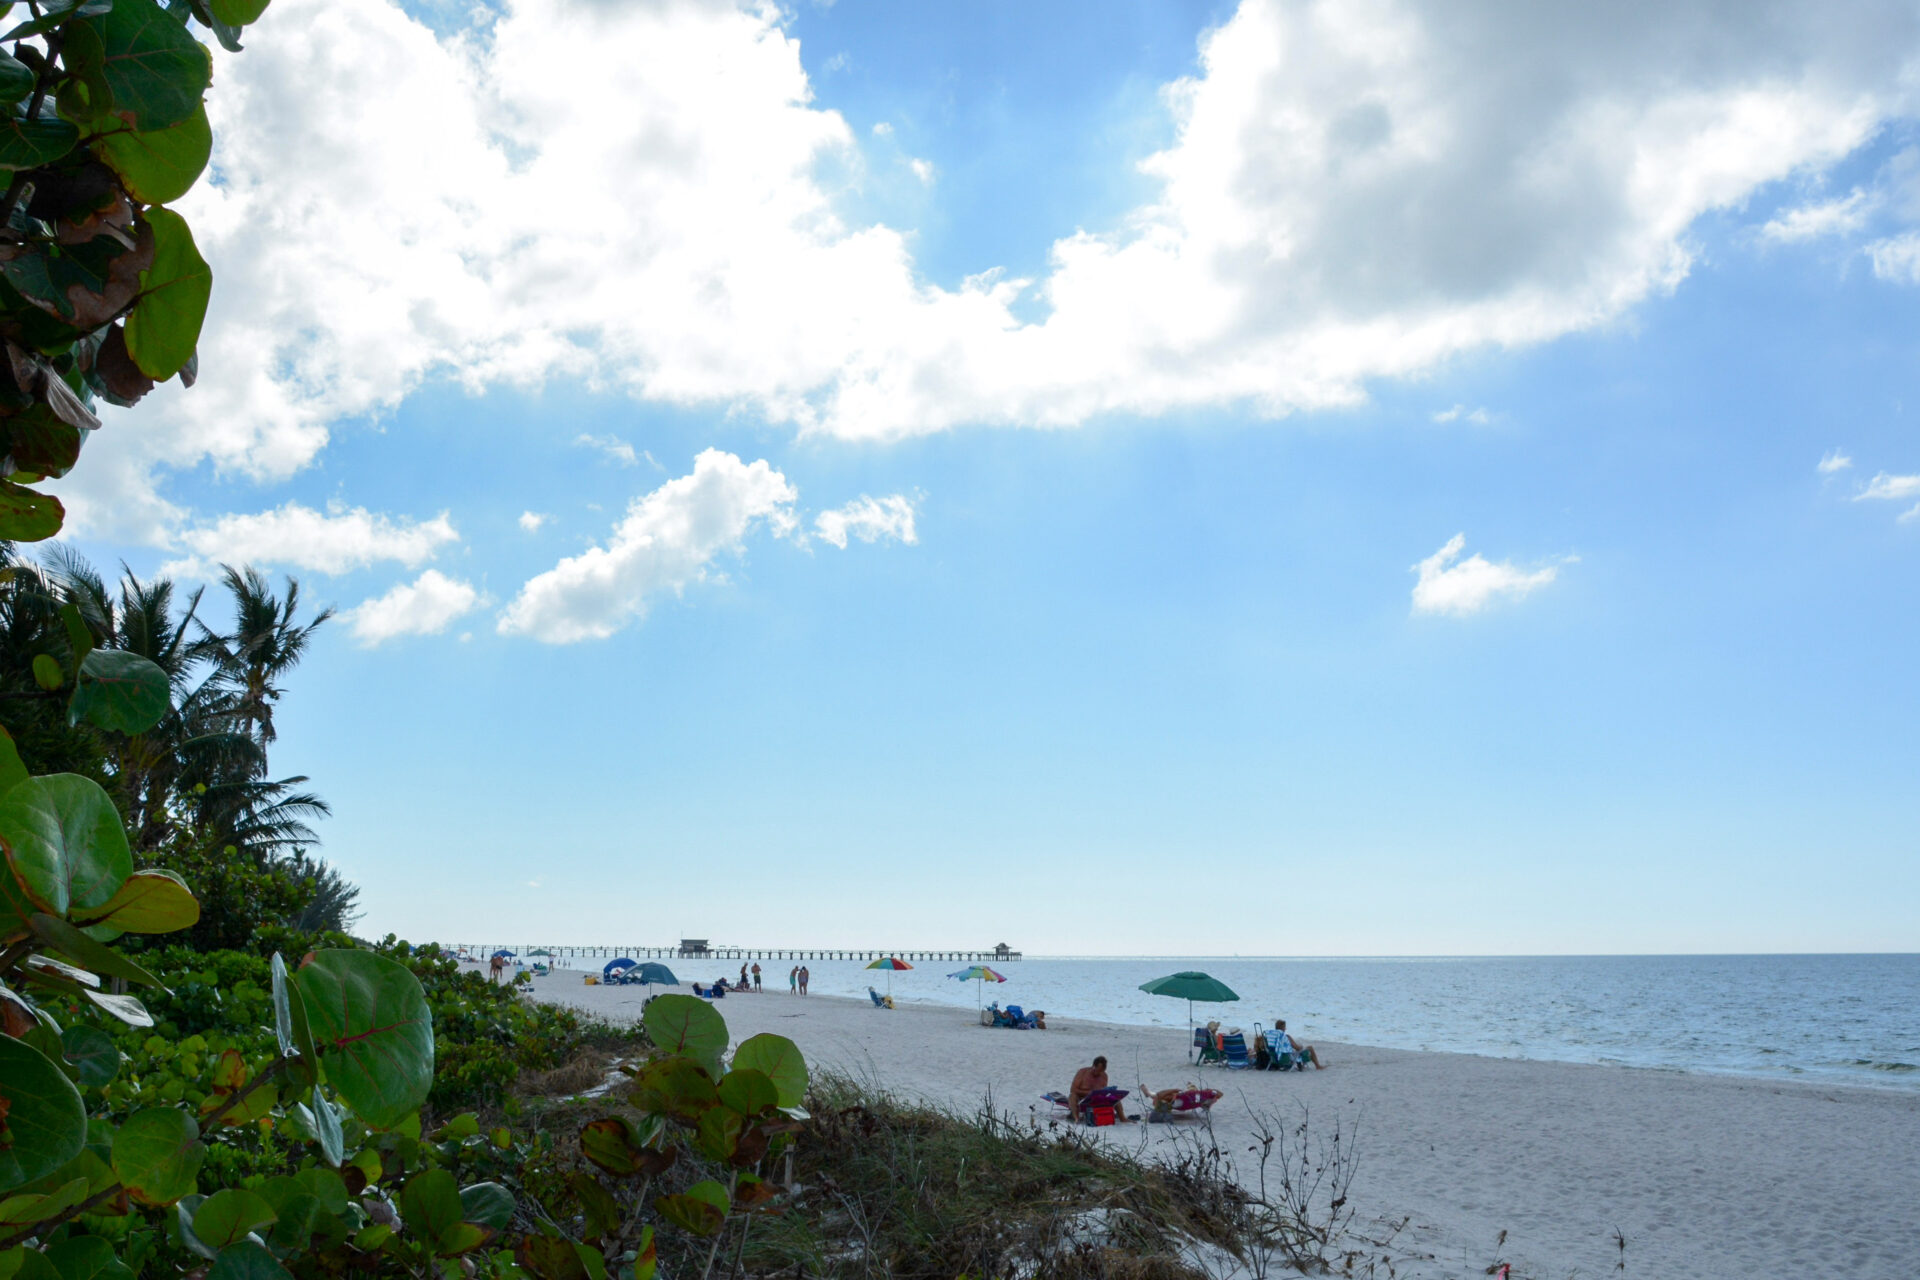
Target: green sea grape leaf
[[686, 1024], [126, 1008], [164, 329], [327, 1130], [47, 673], [28, 144], [779, 1059], [20, 1211], [157, 1155], [227, 1217], [430, 1203], [120, 690], [748, 1091], [156, 71], [488, 1204], [718, 1133], [27, 515], [609, 1142], [87, 1258], [64, 842], [93, 956], [92, 1053], [677, 1087], [16, 79], [238, 13], [247, 1260], [159, 166], [151, 901], [701, 1209], [371, 1024], [12, 771], [43, 1124]]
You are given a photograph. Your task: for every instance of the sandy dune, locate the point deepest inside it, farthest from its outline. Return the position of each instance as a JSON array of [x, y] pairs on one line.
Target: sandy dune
[[1705, 1176]]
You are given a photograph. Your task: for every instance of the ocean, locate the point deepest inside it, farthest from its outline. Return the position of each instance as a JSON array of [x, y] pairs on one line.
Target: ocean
[[1852, 1018]]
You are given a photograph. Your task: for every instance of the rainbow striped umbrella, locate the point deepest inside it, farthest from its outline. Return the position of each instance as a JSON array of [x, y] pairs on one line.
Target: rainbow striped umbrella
[[890, 964], [981, 974]]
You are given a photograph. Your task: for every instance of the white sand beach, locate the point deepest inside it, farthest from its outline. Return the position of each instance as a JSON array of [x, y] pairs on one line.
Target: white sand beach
[[1705, 1176]]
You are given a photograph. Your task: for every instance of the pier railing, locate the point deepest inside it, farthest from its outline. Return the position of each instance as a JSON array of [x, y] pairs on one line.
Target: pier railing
[[719, 952]]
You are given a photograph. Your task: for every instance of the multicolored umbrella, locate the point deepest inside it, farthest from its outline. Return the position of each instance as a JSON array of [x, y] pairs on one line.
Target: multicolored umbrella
[[890, 964], [981, 974], [1190, 986]]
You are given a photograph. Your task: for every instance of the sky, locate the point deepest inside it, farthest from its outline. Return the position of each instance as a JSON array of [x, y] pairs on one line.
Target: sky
[[1115, 478]]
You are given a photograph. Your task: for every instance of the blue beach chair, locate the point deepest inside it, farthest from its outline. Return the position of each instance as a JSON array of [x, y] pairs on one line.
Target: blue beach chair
[[1234, 1048]]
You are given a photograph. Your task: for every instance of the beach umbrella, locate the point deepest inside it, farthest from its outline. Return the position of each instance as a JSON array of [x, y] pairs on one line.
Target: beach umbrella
[[651, 973], [890, 964], [540, 951], [615, 966], [1190, 986], [981, 974], [503, 955]]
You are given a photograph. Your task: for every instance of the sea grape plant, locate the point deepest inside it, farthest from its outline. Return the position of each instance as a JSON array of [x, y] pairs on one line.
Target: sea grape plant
[[102, 289]]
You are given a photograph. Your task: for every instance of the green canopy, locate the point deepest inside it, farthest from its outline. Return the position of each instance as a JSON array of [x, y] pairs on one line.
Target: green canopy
[[1190, 986]]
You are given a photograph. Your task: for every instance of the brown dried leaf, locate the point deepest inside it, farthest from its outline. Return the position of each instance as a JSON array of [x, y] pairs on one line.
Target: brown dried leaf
[[90, 309], [116, 369]]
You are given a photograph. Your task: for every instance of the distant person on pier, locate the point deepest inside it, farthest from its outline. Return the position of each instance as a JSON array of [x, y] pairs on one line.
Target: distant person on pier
[[756, 975], [793, 981]]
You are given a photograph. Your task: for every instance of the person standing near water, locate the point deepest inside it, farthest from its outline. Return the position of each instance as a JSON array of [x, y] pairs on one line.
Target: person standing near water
[[756, 975], [804, 975], [793, 981], [743, 975]]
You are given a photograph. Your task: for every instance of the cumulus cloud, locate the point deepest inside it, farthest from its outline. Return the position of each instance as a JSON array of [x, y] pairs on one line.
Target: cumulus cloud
[[1889, 488], [1833, 461], [612, 447], [923, 170], [532, 520], [332, 542], [667, 539], [1460, 413], [1352, 192], [868, 519], [422, 607], [1450, 585], [1824, 218]]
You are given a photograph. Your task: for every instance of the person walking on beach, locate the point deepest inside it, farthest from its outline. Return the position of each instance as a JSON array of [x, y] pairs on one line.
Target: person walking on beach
[[1278, 1041], [793, 981], [496, 967], [804, 975], [756, 975]]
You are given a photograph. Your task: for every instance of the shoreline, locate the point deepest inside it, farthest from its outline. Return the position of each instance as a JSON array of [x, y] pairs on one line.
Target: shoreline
[[1706, 1174]]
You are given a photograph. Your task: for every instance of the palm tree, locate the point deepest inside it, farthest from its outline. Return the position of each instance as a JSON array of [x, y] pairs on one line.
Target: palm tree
[[336, 900], [265, 644]]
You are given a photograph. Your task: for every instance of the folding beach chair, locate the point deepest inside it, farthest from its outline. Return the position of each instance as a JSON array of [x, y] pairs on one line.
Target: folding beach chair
[[1234, 1048], [1209, 1051]]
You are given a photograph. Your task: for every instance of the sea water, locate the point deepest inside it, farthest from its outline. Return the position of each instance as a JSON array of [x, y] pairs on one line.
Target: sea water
[[1836, 1018]]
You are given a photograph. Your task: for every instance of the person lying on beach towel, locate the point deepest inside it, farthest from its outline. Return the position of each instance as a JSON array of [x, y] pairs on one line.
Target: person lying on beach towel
[[1085, 1081]]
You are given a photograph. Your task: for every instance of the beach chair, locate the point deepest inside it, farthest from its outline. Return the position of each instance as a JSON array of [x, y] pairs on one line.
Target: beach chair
[[879, 1001], [1059, 1101], [1233, 1047], [1019, 1018], [1209, 1051], [1284, 1060], [1170, 1104]]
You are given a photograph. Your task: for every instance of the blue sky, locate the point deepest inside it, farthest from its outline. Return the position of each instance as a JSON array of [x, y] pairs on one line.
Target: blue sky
[[1128, 648]]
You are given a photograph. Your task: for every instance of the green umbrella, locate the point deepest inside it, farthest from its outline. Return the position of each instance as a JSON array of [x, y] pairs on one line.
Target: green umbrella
[[1190, 986]]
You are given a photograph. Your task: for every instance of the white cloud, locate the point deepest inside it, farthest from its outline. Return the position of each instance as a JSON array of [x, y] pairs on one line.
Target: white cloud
[[1889, 488], [1910, 515], [923, 170], [422, 607], [1833, 461], [667, 540], [1460, 413], [1353, 192], [1897, 258], [333, 542], [615, 449], [532, 520], [869, 519], [1825, 218], [882, 130], [1458, 587]]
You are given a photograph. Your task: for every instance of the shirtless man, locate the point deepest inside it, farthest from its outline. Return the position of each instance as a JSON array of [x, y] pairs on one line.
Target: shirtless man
[[1278, 1041], [1089, 1080]]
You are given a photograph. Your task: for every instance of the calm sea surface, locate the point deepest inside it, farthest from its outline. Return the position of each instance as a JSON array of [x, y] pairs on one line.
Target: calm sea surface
[[1851, 1017]]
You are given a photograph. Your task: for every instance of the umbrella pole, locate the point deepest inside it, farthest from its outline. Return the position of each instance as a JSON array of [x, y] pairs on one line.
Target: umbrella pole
[[1189, 1031]]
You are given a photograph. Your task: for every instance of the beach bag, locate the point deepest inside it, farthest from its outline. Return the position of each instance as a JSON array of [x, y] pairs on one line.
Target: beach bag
[[1100, 1115]]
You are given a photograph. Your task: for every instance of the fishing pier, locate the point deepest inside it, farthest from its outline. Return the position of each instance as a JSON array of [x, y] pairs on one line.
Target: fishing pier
[[701, 949]]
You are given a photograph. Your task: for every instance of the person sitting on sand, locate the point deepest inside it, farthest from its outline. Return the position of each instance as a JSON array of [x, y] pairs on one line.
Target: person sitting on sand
[[1278, 1042], [1089, 1080]]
